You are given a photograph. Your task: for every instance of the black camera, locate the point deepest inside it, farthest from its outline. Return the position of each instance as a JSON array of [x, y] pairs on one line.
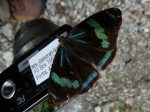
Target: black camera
[[25, 83]]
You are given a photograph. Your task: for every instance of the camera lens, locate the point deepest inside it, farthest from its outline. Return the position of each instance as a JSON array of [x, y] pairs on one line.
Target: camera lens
[[31, 34]]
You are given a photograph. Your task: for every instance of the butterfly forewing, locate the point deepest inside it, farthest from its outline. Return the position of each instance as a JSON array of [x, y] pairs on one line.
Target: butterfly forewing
[[64, 82], [100, 30], [89, 47]]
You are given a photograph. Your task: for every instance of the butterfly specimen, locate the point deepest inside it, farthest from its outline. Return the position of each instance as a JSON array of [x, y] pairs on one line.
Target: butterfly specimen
[[88, 48]]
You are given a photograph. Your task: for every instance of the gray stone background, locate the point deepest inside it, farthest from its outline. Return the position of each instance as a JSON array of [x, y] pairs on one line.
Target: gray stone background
[[127, 83]]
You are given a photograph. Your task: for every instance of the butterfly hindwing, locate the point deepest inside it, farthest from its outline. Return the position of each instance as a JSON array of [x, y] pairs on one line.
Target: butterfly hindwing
[[88, 62], [100, 58], [87, 73]]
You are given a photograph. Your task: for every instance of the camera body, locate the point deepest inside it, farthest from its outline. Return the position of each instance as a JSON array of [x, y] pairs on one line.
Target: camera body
[[25, 83]]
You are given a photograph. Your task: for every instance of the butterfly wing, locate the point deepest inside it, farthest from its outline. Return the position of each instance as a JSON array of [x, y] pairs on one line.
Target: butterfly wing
[[100, 59], [89, 47], [88, 61], [99, 30], [64, 82], [94, 42]]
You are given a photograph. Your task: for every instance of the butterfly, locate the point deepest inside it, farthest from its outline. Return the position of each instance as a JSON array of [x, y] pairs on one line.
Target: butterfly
[[88, 48]]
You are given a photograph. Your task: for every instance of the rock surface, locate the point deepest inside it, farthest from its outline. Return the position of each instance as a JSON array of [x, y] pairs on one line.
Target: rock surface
[[128, 76]]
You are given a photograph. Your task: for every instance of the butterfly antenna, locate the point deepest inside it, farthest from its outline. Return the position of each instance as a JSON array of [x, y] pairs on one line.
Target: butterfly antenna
[[102, 85], [66, 103]]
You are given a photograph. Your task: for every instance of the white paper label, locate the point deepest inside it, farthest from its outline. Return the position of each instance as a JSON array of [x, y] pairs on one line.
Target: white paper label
[[41, 63]]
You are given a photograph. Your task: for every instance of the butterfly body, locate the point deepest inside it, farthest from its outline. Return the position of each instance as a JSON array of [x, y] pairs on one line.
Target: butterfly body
[[88, 48]]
